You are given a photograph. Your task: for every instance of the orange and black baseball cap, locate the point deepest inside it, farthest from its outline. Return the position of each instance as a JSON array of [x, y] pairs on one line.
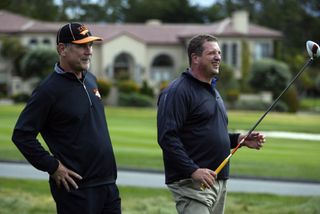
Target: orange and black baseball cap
[[75, 33]]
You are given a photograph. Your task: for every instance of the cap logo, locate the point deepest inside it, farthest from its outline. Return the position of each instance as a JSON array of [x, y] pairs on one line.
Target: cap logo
[[83, 30]]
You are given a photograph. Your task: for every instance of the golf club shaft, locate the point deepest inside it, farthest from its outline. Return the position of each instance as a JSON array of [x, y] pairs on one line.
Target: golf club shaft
[[220, 167], [225, 161]]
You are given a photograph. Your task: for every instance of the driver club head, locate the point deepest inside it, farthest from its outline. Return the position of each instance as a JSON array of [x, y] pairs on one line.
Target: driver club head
[[313, 49]]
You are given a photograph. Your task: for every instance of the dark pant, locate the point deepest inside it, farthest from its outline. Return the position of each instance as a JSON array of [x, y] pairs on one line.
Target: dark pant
[[102, 199]]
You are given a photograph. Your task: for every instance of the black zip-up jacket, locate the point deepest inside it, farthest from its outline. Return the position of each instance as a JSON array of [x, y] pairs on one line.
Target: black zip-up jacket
[[193, 128], [70, 116]]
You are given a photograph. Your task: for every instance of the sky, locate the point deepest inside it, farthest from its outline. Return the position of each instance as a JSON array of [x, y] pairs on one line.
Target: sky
[[203, 3]]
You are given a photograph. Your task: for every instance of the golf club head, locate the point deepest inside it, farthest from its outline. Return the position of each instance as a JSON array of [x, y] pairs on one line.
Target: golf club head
[[313, 49]]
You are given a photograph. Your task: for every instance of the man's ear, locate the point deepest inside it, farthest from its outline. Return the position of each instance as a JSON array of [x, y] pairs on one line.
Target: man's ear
[[194, 58], [61, 48]]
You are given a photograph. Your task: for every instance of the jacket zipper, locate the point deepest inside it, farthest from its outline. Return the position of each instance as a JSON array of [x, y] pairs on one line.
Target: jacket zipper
[[85, 88]]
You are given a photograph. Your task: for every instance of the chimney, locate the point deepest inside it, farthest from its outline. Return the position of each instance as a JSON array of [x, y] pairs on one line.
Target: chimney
[[240, 21], [154, 22]]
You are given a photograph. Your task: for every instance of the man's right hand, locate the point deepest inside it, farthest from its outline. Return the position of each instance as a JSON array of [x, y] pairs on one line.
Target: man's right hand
[[205, 176], [65, 176]]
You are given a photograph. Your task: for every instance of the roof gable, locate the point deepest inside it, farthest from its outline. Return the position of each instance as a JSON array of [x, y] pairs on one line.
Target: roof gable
[[160, 33]]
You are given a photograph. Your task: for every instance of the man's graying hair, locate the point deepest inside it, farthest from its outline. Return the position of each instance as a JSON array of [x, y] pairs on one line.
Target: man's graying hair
[[196, 44]]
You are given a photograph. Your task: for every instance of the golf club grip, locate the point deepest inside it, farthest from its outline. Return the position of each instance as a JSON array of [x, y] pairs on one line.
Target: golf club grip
[[220, 167]]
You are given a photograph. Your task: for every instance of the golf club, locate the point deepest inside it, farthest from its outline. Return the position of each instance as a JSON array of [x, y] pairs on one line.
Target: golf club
[[313, 50]]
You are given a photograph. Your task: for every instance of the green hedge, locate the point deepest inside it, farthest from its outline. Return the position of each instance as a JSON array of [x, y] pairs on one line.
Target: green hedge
[[135, 99], [104, 87]]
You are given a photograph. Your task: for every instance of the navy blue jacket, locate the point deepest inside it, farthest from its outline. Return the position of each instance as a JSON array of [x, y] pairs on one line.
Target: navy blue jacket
[[193, 128], [70, 116]]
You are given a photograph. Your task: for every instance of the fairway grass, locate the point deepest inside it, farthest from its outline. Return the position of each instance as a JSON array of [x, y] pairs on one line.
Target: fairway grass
[[134, 138], [33, 197]]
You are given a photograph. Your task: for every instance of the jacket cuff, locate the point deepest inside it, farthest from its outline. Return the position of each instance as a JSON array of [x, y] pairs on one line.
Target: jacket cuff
[[192, 170], [234, 138], [53, 166]]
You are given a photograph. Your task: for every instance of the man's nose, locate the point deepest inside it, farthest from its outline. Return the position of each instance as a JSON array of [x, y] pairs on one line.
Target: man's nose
[[88, 49], [217, 57]]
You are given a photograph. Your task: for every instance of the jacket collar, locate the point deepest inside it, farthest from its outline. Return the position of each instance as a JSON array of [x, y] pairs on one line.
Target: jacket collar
[[59, 70], [188, 73]]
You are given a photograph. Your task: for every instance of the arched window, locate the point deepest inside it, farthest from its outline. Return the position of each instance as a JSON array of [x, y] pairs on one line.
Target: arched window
[[162, 68], [123, 66]]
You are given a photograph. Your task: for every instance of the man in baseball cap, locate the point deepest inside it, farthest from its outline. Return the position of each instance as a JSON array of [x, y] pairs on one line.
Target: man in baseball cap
[[66, 109], [75, 33]]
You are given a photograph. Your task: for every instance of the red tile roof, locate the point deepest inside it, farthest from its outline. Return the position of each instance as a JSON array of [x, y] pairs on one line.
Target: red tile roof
[[161, 33]]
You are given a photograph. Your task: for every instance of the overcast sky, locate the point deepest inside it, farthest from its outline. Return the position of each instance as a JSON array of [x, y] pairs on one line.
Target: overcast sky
[[204, 3]]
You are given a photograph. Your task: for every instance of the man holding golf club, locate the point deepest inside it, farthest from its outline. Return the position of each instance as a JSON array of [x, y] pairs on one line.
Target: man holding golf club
[[193, 132], [67, 110]]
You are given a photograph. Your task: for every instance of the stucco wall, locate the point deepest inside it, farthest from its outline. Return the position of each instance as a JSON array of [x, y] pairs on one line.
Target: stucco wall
[[123, 44], [176, 52]]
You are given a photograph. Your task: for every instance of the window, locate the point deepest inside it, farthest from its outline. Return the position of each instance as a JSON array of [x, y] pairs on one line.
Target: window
[[162, 68], [234, 59], [123, 65], [33, 41], [262, 50], [224, 53], [46, 41]]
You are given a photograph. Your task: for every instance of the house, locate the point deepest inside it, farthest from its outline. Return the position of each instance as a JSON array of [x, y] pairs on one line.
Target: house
[[152, 51]]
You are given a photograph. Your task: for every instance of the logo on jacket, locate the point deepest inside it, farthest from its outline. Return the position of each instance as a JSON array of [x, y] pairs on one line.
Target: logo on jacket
[[96, 92]]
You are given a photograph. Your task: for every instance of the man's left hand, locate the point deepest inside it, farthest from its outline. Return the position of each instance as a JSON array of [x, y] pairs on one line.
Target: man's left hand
[[254, 141]]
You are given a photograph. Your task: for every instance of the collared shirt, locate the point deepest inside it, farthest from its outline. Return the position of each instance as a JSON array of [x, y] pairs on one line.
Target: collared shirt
[[70, 116], [193, 128]]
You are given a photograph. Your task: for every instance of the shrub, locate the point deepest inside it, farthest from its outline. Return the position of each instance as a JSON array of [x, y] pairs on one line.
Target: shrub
[[290, 98], [146, 90], [260, 106], [128, 86], [38, 62], [163, 85], [252, 105], [135, 99], [226, 77], [317, 82], [104, 87], [269, 75], [245, 66], [232, 95], [20, 98], [226, 80], [3, 89]]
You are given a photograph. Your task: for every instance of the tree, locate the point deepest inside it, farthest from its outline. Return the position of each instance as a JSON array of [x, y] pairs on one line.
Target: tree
[[274, 76], [37, 9], [227, 84], [12, 50], [174, 11], [38, 62], [213, 13], [317, 85], [245, 65], [269, 75], [286, 16]]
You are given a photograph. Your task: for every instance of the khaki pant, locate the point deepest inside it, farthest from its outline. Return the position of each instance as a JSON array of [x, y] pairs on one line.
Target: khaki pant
[[190, 199]]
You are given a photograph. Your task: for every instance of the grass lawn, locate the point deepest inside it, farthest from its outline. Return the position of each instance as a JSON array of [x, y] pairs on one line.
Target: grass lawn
[[33, 197], [310, 104], [133, 133]]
